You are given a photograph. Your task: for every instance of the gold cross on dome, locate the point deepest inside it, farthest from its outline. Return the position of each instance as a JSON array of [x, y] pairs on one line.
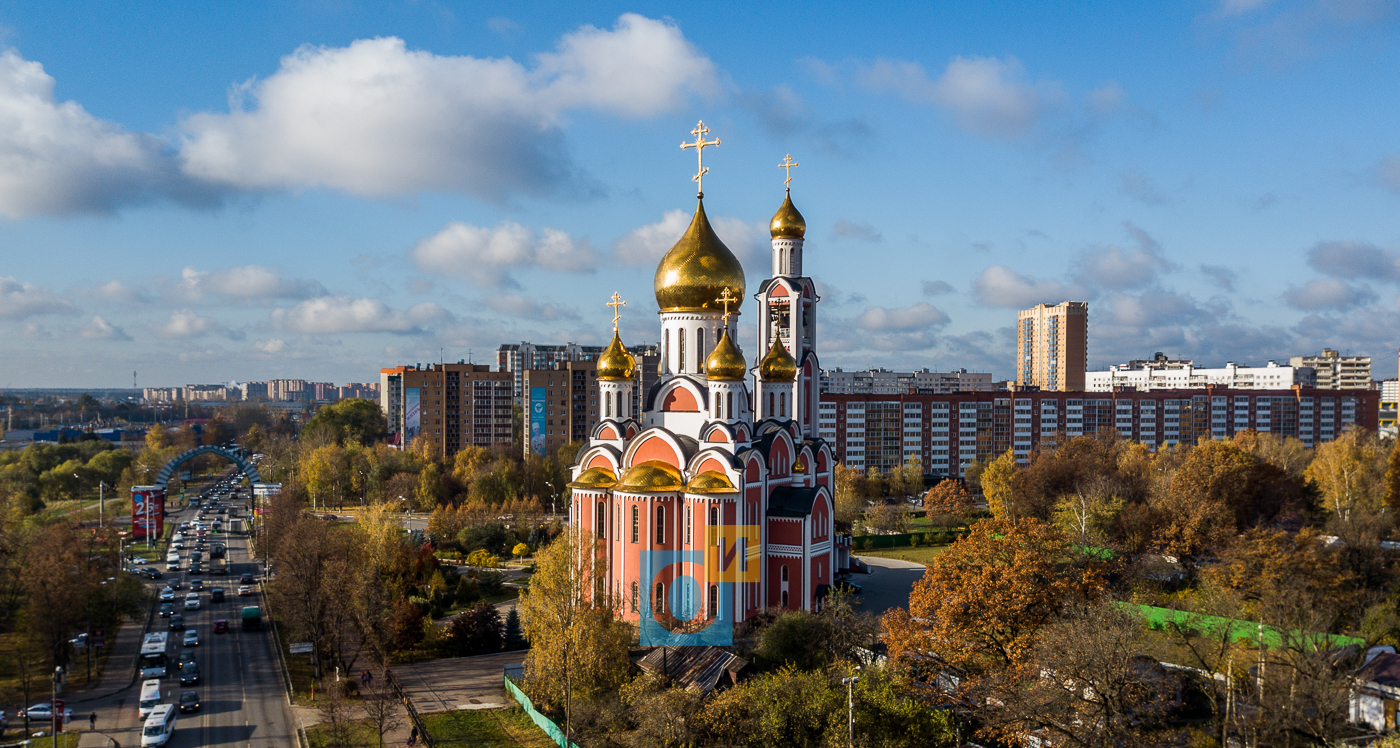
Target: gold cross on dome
[[726, 298], [700, 132], [787, 164], [615, 304]]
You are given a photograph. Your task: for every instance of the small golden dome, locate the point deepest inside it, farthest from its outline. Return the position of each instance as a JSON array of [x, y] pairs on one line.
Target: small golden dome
[[787, 221], [710, 481], [725, 362], [649, 477], [778, 365], [694, 273], [594, 479], [616, 363]]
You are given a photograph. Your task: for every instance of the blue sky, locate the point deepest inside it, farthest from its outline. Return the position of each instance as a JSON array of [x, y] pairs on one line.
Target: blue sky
[[320, 189]]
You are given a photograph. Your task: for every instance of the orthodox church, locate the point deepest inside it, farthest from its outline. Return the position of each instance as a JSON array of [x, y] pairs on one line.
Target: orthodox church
[[722, 441]]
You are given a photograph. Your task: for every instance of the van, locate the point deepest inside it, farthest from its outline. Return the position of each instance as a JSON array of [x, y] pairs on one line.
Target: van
[[150, 697], [159, 726]]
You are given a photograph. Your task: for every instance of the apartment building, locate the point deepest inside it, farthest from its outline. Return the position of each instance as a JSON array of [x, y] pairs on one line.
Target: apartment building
[[525, 356], [886, 382], [946, 432], [561, 405], [448, 405], [1272, 376], [1337, 372], [1052, 346], [1390, 405]]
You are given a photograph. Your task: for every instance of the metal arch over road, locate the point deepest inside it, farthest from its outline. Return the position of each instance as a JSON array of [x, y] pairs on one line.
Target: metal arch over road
[[249, 470]]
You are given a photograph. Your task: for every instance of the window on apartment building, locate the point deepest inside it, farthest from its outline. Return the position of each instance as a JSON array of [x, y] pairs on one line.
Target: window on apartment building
[[636, 524]]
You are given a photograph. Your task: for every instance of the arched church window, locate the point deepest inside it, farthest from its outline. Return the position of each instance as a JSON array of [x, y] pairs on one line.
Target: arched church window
[[680, 347], [700, 350], [784, 572], [660, 525], [607, 405], [782, 403], [636, 524], [602, 520], [659, 604], [714, 600]]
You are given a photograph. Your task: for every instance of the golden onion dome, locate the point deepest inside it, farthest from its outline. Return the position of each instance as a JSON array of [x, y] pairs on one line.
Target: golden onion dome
[[616, 363], [651, 476], [694, 273], [594, 479], [778, 365], [710, 481], [787, 221], [725, 362]]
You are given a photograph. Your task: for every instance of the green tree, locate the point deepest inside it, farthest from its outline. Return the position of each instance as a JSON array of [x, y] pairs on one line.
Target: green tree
[[430, 489], [794, 639], [354, 420]]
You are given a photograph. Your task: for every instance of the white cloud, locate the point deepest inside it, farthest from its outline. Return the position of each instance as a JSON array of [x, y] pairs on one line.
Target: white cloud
[[1001, 286], [249, 282], [917, 317], [527, 308], [936, 288], [985, 95], [100, 329], [184, 323], [487, 255], [862, 230], [20, 300], [376, 118], [1328, 293], [117, 291], [343, 314], [645, 245], [1118, 268], [271, 347], [1355, 261], [56, 158]]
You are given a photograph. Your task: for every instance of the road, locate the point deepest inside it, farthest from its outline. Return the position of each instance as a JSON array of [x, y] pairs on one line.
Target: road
[[243, 700]]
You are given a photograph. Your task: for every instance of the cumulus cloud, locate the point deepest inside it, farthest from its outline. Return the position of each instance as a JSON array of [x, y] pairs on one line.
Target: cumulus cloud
[[1001, 286], [271, 347], [1120, 268], [936, 288], [487, 255], [1220, 276], [528, 308], [184, 323], [1355, 260], [118, 292], [376, 118], [984, 95], [56, 158], [1277, 34], [862, 231], [1328, 293], [645, 245], [1134, 183], [100, 329], [343, 314], [19, 300], [916, 317], [249, 282]]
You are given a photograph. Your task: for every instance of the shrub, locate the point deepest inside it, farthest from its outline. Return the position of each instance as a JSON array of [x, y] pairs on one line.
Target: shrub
[[483, 558], [475, 631], [490, 583], [467, 591]]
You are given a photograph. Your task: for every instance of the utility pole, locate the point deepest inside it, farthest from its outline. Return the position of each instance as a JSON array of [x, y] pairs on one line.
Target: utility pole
[[850, 683]]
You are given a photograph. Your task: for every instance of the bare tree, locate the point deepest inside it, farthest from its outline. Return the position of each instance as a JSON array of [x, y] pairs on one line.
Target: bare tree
[[334, 710], [382, 707]]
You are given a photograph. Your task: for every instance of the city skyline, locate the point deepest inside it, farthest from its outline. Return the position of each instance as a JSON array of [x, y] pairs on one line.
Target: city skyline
[[1213, 179]]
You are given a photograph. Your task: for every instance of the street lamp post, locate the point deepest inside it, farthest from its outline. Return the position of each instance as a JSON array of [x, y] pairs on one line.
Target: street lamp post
[[55, 716], [850, 683], [551, 499]]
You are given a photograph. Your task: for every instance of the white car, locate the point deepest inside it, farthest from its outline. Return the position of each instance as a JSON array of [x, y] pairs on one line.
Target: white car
[[43, 711], [192, 601], [167, 594], [191, 638]]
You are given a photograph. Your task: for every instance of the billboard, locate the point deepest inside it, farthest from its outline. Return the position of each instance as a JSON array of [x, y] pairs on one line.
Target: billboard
[[411, 411], [688, 596], [147, 511], [537, 420]]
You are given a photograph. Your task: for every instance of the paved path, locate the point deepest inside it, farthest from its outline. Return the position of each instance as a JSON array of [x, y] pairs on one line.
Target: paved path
[[889, 583], [459, 683]]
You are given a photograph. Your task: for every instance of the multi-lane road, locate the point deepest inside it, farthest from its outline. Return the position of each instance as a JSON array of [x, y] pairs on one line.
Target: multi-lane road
[[243, 700]]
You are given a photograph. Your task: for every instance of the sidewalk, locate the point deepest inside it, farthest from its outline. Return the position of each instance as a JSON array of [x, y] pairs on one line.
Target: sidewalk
[[121, 662]]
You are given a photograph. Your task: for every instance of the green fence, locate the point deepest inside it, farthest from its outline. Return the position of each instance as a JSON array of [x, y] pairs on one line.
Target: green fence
[[906, 539], [1247, 631], [545, 723]]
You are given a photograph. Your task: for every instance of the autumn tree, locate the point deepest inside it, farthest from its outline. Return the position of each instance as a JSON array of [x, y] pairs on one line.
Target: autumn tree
[[1350, 473], [1392, 478], [998, 481], [58, 585], [578, 644], [475, 631], [850, 504], [350, 421], [888, 518], [947, 499], [1087, 516]]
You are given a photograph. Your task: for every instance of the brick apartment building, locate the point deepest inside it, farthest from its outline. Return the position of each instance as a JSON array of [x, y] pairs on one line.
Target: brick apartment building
[[449, 405], [947, 431]]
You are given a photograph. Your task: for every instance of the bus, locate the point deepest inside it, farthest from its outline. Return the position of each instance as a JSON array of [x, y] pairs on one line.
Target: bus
[[154, 662]]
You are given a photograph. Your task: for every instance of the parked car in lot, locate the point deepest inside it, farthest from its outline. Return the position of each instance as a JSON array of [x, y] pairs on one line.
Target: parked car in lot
[[221, 626], [189, 701], [191, 638]]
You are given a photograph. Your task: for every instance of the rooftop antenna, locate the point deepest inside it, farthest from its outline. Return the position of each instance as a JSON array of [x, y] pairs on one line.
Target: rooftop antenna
[[469, 355], [133, 380]]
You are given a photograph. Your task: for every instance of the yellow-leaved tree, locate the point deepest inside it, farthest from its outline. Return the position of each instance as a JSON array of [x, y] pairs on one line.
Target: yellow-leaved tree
[[1350, 473], [997, 485]]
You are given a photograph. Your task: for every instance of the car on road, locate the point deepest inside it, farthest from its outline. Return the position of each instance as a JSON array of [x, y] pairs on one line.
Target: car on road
[[43, 711], [174, 583], [151, 572], [216, 595], [196, 556], [197, 584], [196, 568], [189, 701], [245, 579], [177, 622], [191, 638], [166, 609], [245, 590], [221, 626], [185, 656], [192, 601], [167, 593], [189, 674]]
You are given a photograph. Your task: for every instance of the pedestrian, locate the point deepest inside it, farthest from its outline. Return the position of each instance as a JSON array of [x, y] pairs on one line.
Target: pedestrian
[[413, 736], [369, 677], [92, 721], [364, 677]]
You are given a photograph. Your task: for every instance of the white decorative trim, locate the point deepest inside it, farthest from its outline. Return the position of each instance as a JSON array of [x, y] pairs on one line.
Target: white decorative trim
[[785, 551], [787, 519]]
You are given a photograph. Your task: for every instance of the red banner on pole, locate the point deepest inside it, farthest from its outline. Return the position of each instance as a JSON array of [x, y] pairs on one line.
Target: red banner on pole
[[147, 511]]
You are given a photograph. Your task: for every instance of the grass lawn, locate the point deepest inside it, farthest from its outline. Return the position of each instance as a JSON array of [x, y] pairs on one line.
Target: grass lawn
[[922, 554], [362, 735], [485, 728]]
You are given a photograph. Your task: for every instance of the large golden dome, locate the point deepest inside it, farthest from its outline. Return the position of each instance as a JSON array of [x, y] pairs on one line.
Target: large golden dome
[[725, 362], [616, 363], [787, 221], [651, 476], [694, 273], [778, 365]]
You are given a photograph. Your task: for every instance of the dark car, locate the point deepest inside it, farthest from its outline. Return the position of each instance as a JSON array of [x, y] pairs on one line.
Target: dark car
[[216, 595], [152, 572], [196, 584], [221, 626], [245, 579], [196, 568], [849, 587], [177, 622], [189, 674], [186, 655], [189, 701], [166, 609]]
